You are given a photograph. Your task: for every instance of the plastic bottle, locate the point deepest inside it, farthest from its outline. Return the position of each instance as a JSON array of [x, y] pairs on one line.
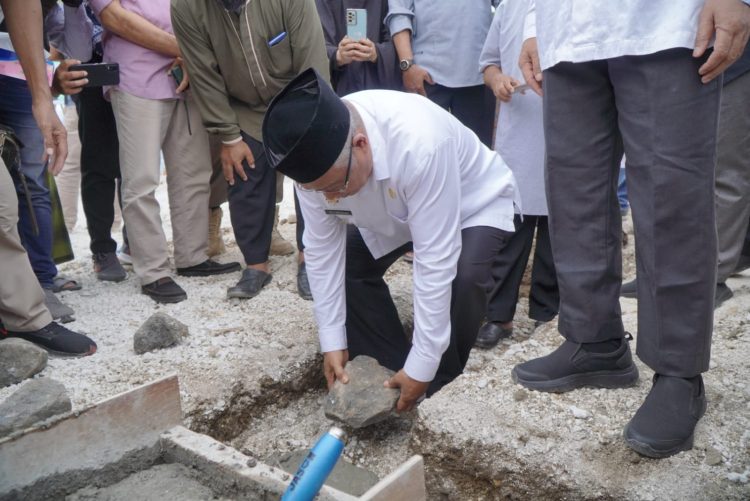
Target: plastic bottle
[[317, 465]]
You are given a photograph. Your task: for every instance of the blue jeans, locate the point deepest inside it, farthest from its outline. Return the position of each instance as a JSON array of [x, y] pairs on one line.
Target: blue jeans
[[15, 112], [622, 191]]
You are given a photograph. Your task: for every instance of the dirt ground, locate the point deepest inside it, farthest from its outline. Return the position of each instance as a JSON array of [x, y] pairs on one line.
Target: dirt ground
[[250, 376]]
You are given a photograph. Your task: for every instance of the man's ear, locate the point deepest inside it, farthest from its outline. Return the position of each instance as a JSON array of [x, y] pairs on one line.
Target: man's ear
[[360, 139]]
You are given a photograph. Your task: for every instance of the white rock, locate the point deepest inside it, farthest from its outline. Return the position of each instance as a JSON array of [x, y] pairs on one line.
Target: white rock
[[482, 383], [740, 478], [579, 413]]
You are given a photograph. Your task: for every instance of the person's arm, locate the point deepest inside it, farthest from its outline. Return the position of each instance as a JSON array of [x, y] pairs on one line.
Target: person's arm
[[70, 31], [210, 91], [325, 260], [24, 23], [433, 198], [490, 63], [328, 22], [306, 37], [528, 61], [134, 28], [400, 23]]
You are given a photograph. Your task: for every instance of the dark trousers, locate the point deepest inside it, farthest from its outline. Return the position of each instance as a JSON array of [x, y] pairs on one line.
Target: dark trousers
[[746, 247], [252, 205], [100, 166], [510, 265], [472, 106], [656, 109], [373, 327]]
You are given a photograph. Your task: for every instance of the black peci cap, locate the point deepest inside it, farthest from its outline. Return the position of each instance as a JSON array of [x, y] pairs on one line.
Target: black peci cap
[[305, 128]]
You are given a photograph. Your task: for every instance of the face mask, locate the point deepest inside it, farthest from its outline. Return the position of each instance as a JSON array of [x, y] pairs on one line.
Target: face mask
[[232, 5]]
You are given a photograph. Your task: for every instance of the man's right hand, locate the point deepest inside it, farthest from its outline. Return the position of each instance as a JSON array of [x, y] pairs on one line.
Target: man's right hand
[[333, 366], [529, 64], [414, 79], [54, 134], [232, 156], [503, 86], [68, 82]]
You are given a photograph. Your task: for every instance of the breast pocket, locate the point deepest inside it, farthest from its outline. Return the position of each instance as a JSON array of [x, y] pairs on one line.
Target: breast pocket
[[279, 57]]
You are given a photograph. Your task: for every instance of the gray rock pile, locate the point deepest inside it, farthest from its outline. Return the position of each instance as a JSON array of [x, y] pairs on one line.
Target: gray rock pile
[[363, 400], [159, 331], [33, 402], [19, 360]]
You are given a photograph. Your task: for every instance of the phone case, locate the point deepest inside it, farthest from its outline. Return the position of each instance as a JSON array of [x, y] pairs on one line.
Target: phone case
[[356, 24], [99, 74]]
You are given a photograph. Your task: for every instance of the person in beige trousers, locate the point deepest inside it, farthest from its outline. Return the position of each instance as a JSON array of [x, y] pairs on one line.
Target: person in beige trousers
[[155, 114]]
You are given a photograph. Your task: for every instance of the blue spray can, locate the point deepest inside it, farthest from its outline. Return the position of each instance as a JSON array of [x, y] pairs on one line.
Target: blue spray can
[[315, 468]]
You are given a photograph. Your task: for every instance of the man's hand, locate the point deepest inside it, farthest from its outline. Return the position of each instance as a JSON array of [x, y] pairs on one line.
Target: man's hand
[[185, 83], [365, 51], [730, 21], [333, 366], [68, 82], [232, 156], [528, 61], [411, 390], [414, 79], [503, 86], [54, 134]]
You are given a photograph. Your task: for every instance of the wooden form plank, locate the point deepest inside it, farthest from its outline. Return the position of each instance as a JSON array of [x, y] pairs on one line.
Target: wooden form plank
[[406, 483], [99, 435]]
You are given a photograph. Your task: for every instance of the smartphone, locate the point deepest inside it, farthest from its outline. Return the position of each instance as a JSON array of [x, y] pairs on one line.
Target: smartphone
[[99, 74], [177, 74], [356, 24]]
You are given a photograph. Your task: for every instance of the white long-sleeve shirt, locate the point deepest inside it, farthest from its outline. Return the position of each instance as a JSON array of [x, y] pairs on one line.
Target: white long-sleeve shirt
[[431, 178], [582, 30]]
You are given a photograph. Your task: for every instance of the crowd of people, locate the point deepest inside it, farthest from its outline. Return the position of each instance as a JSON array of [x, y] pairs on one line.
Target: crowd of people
[[389, 141]]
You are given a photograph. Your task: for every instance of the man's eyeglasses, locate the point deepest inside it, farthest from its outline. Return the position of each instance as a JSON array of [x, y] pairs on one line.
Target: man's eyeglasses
[[337, 191]]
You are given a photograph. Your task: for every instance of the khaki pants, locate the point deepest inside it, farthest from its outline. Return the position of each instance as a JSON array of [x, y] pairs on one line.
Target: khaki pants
[[21, 298], [69, 180], [145, 127]]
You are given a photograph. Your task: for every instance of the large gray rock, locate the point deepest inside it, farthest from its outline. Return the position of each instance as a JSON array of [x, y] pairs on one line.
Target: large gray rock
[[363, 400], [34, 401], [159, 331], [19, 360]]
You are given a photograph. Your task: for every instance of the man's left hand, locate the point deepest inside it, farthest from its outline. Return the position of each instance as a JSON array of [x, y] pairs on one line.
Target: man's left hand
[[729, 20], [411, 390], [185, 83]]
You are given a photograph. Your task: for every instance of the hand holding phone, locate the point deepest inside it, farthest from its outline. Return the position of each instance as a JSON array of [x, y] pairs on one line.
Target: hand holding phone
[[177, 71], [99, 74], [66, 81]]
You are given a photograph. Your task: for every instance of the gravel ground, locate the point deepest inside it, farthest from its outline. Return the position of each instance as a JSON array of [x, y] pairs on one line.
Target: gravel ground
[[250, 374]]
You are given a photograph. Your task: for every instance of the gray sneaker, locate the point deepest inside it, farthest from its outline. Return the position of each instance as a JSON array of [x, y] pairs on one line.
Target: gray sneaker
[[57, 309], [108, 268]]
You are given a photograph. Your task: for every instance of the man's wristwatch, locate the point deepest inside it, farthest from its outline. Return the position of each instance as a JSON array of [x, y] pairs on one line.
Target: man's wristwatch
[[405, 64]]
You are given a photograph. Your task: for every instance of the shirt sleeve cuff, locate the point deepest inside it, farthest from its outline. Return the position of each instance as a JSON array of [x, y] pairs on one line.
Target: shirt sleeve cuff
[[332, 339], [231, 141], [420, 368], [399, 23]]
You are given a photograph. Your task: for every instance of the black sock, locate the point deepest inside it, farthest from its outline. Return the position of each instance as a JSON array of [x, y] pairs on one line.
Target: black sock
[[607, 346]]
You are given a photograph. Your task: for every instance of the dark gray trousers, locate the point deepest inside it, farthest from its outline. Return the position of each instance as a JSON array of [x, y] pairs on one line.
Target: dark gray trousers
[[733, 173], [656, 109], [372, 324]]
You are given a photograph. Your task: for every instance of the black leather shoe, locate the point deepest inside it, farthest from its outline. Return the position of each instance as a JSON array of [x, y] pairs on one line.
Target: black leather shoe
[[665, 423], [208, 268], [628, 289], [723, 292], [303, 285], [570, 366], [490, 334], [164, 290], [250, 284]]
